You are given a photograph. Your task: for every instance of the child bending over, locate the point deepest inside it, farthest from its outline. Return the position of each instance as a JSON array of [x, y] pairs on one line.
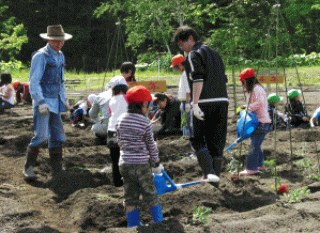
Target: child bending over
[[296, 110], [277, 118]]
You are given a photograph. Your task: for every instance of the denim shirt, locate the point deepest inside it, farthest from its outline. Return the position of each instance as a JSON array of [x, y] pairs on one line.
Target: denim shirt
[[47, 79]]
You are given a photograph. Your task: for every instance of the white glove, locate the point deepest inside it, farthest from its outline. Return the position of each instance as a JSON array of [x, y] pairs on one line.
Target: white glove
[[197, 112], [158, 170], [44, 109], [187, 108]]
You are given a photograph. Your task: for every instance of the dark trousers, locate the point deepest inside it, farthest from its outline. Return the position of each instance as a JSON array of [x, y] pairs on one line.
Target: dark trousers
[[115, 155], [212, 131]]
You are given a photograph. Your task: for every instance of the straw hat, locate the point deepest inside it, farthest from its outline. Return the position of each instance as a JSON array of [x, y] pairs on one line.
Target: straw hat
[[55, 32]]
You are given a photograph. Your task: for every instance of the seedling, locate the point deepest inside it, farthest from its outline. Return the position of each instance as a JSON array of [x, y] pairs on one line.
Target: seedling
[[104, 197], [200, 214], [272, 163], [309, 170], [295, 196], [236, 163]]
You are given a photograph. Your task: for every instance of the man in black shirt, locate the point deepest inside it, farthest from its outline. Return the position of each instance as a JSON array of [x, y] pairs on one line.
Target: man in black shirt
[[207, 80]]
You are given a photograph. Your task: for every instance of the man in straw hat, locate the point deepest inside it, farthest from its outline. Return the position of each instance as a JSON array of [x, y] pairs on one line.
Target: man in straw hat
[[49, 100]]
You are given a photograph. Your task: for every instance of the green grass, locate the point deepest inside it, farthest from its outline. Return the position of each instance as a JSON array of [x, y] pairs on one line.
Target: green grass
[[309, 75]]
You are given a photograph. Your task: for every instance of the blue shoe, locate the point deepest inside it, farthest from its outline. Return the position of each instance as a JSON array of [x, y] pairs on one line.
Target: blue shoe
[[133, 218], [157, 213]]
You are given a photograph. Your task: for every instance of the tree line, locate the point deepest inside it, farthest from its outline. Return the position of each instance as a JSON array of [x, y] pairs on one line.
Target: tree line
[[106, 33]]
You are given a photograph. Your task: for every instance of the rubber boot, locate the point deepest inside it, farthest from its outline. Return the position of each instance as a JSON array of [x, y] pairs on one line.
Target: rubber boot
[[157, 213], [205, 161], [217, 162], [55, 154], [133, 218], [32, 154]]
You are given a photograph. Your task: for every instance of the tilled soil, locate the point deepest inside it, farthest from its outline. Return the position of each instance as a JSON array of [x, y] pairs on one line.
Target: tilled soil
[[83, 198]]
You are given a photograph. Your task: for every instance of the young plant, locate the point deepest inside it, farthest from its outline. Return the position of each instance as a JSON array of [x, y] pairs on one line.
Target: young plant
[[272, 163], [306, 164], [236, 163], [295, 196], [200, 214]]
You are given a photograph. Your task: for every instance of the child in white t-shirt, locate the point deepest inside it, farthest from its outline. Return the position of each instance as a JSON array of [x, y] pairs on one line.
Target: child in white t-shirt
[[117, 106], [183, 94]]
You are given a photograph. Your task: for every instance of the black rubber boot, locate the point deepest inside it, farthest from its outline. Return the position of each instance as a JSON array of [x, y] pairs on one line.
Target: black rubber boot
[[31, 160], [56, 160], [217, 164]]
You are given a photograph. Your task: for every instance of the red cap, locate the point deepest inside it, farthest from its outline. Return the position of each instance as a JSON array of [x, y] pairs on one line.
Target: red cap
[[177, 60], [15, 84], [247, 73], [138, 94]]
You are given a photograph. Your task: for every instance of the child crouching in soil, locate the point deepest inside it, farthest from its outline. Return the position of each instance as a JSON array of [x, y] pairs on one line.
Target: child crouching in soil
[[277, 118], [137, 148], [296, 110]]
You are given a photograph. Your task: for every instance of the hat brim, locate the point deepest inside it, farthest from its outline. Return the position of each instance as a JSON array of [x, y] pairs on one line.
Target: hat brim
[[65, 37]]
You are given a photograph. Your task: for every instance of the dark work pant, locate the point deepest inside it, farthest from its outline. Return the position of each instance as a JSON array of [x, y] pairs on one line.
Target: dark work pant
[[115, 155], [212, 131]]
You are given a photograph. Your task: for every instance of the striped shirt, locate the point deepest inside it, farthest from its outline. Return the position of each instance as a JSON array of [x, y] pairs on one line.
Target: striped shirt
[[135, 139]]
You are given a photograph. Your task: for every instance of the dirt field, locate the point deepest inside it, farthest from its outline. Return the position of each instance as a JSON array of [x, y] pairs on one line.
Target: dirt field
[[83, 199]]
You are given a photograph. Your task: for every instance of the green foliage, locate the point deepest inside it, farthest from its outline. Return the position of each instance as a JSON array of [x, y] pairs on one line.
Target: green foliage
[[11, 66], [200, 214], [157, 20], [235, 164], [150, 61], [295, 196], [272, 164], [12, 35], [309, 168]]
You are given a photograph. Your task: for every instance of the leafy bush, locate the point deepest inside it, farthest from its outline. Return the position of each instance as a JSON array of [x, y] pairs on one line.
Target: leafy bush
[[11, 66], [313, 59], [200, 214], [150, 61]]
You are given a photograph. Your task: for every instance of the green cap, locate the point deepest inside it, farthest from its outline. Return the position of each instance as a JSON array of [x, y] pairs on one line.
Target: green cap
[[293, 93], [274, 98]]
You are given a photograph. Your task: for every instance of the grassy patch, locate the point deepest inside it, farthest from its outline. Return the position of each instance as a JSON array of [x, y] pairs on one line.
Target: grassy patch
[[308, 75]]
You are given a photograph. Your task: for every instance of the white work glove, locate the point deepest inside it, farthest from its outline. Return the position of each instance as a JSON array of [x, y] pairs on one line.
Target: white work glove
[[44, 109], [187, 107], [197, 112], [158, 170]]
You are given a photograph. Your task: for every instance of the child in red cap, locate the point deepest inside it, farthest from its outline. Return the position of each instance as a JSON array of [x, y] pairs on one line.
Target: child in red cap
[[257, 102], [137, 149], [183, 94]]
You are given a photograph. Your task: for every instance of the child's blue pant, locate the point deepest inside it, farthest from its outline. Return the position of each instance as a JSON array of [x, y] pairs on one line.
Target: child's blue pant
[[255, 157]]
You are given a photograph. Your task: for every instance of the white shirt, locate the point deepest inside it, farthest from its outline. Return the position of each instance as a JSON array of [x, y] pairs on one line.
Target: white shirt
[[117, 106], [4, 89], [183, 87], [84, 106]]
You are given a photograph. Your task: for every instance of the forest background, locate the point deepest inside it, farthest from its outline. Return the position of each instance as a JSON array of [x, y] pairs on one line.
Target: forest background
[[107, 33]]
